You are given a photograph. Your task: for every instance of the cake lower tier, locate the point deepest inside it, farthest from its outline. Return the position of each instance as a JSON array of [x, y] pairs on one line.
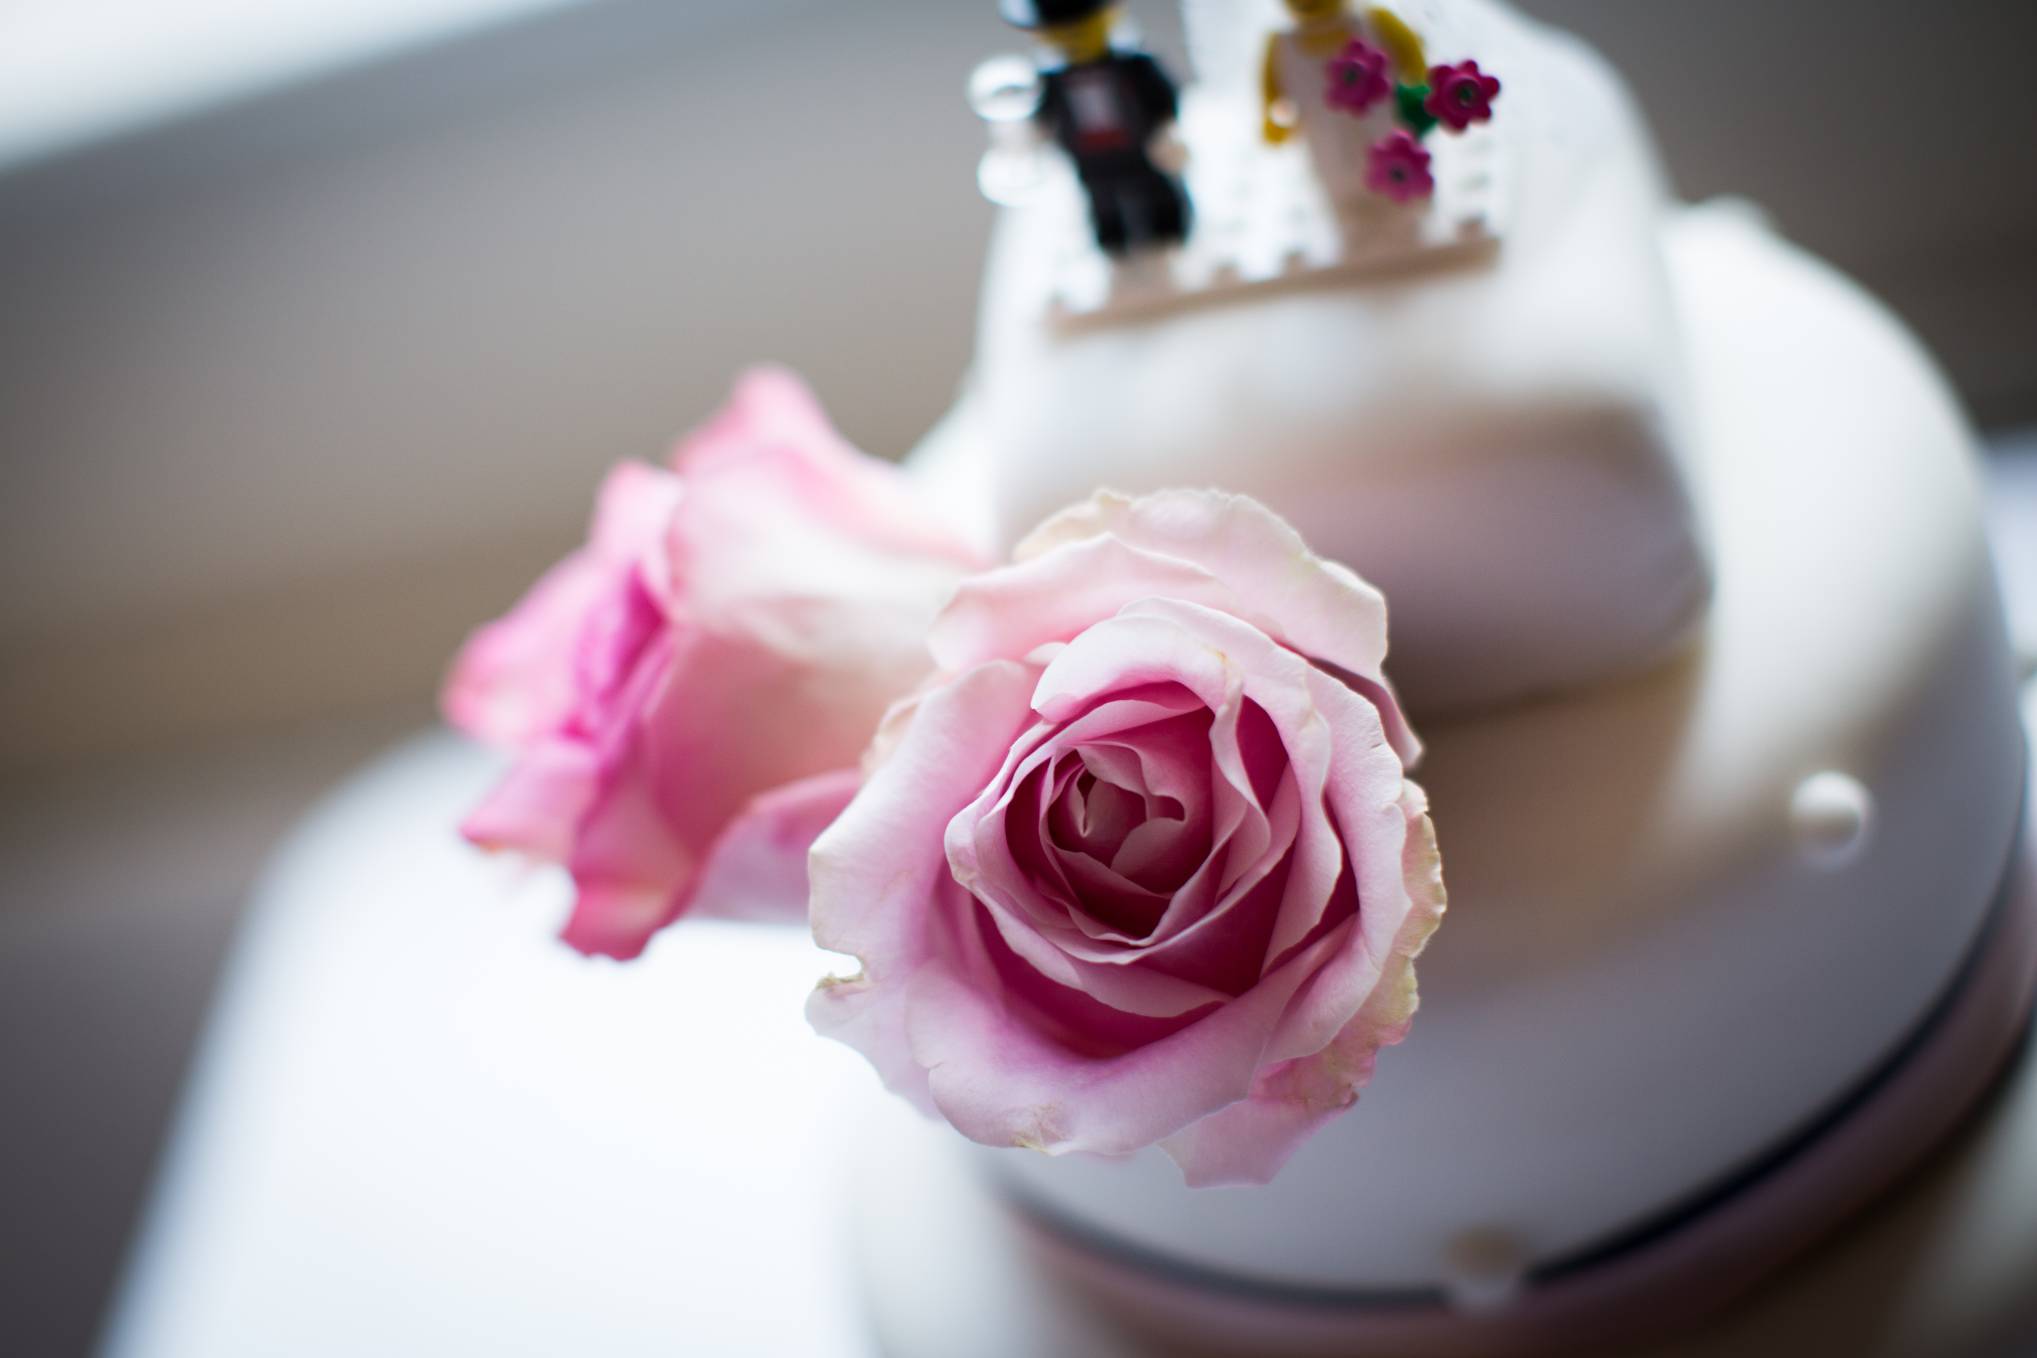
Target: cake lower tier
[[1940, 1270], [1693, 912]]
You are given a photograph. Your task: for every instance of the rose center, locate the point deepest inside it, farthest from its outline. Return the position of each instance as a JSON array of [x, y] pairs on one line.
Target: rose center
[[1105, 813]]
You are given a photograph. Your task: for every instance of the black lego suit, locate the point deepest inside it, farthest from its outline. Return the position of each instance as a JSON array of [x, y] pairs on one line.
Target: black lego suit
[[1103, 113]]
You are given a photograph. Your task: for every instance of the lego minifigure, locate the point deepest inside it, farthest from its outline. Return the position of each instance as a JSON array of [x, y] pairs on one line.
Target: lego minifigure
[[1337, 78], [1104, 105]]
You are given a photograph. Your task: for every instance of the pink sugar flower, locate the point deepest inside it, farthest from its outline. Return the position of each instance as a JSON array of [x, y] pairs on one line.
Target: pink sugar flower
[[1399, 168], [1357, 78], [686, 697], [1142, 865], [1461, 95]]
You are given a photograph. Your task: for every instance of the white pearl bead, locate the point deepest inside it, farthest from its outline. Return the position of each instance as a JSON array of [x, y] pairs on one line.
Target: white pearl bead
[[1484, 1269], [1831, 815]]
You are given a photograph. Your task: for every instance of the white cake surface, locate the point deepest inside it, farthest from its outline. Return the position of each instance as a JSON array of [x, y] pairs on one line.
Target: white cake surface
[[1497, 441], [1689, 910]]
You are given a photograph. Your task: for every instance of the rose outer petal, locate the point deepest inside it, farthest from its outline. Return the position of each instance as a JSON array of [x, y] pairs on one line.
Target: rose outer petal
[[756, 870], [1377, 810], [1251, 1140], [614, 918], [774, 444], [880, 880], [516, 681], [1252, 563], [538, 804]]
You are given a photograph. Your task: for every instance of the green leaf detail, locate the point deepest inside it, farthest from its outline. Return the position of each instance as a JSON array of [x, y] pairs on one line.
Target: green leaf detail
[[1411, 102]]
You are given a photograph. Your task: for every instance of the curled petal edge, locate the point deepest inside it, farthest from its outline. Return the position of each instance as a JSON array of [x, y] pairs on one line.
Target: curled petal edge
[[1252, 1140]]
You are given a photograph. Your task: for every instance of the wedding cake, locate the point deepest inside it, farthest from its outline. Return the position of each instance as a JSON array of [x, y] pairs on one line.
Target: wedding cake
[[1689, 599], [1388, 496]]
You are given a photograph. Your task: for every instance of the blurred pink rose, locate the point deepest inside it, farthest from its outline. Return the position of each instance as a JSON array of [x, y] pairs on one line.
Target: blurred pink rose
[[1141, 866], [688, 694]]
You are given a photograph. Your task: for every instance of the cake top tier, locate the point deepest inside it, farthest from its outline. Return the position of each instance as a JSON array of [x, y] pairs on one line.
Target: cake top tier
[[1468, 392]]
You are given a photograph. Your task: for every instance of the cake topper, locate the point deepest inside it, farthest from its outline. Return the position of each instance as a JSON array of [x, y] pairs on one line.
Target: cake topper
[[1357, 88], [1313, 127], [1106, 103], [1333, 79]]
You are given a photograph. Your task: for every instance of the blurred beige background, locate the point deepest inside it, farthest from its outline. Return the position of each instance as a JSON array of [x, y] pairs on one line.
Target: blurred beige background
[[297, 387]]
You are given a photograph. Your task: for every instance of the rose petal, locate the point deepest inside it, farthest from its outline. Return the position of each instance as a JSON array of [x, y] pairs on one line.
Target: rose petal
[[517, 681], [1159, 854], [615, 919], [1246, 843], [1368, 797], [1316, 606], [537, 806], [1144, 991], [1032, 801], [1296, 699], [978, 846], [1003, 1085], [1223, 660], [774, 436], [979, 852], [756, 870], [1012, 609], [1169, 760], [1226, 551], [1133, 650], [1123, 655], [1111, 908], [1224, 943], [1106, 815], [1401, 901], [704, 746], [513, 683], [1062, 1015], [625, 858], [880, 882], [1253, 1139]]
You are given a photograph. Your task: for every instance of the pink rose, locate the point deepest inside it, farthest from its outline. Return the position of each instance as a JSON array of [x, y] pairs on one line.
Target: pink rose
[[1142, 865], [688, 694]]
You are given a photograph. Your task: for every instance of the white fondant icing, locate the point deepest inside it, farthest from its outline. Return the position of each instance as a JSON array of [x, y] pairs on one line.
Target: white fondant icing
[[1640, 985], [1496, 444]]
